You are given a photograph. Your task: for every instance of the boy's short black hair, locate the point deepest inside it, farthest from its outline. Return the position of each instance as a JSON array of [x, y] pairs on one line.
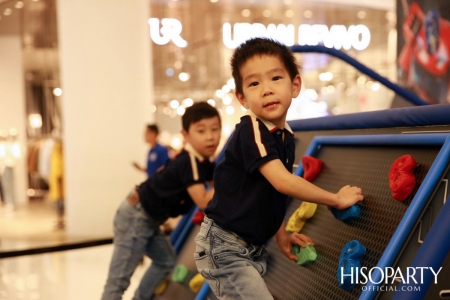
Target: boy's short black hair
[[197, 112], [153, 127], [261, 46]]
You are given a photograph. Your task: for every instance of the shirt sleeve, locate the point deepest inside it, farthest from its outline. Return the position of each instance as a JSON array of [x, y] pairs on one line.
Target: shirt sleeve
[[255, 145], [163, 156]]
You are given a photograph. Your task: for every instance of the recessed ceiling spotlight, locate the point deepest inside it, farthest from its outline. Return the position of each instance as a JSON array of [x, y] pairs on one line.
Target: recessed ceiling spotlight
[[246, 12], [267, 13], [361, 14], [307, 14], [289, 13]]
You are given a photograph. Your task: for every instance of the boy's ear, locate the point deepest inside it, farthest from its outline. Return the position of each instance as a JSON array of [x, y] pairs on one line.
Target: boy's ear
[[241, 99], [296, 86], [185, 134]]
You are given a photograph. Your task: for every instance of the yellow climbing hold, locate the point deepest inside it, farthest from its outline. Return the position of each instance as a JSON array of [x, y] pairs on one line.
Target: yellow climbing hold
[[298, 219]]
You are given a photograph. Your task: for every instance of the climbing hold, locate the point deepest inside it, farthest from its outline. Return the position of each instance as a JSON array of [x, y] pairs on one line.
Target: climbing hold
[[182, 274], [198, 217], [196, 282], [349, 264], [305, 255], [401, 179], [311, 167], [161, 286], [298, 219], [346, 215]]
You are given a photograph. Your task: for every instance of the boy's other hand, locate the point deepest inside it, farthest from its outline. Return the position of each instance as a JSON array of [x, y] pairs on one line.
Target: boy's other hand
[[285, 244], [348, 196]]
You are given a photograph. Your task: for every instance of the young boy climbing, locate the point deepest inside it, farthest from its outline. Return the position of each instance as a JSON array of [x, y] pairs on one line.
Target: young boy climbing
[[168, 193], [254, 180]]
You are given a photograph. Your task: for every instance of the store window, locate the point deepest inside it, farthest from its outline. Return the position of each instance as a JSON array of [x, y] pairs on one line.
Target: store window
[[193, 41]]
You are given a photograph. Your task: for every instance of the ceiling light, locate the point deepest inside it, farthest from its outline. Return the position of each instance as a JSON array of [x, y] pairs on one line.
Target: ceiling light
[[174, 104], [246, 12], [227, 100], [267, 13], [183, 76], [211, 102], [289, 13], [229, 110], [307, 14], [181, 110], [57, 92], [361, 80], [188, 102], [361, 14], [19, 5]]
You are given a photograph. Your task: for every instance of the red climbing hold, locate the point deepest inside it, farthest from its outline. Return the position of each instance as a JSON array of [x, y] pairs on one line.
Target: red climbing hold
[[311, 167], [198, 217], [401, 179]]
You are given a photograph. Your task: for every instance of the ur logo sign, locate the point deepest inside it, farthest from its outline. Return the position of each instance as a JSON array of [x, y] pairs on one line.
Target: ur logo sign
[[170, 30]]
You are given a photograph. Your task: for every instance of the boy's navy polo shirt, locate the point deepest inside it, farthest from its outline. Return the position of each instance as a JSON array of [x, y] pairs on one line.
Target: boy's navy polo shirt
[[164, 194], [244, 201]]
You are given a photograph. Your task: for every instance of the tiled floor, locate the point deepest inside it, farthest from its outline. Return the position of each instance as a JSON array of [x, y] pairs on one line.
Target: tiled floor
[[67, 275], [74, 274]]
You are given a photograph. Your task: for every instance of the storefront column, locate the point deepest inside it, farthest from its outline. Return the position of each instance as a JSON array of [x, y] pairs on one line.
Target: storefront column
[[106, 80], [12, 106]]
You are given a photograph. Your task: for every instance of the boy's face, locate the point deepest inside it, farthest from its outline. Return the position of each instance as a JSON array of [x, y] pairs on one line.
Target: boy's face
[[204, 136], [150, 136], [267, 88]]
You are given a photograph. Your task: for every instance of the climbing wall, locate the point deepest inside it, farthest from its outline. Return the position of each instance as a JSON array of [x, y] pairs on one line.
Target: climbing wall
[[364, 166], [174, 290]]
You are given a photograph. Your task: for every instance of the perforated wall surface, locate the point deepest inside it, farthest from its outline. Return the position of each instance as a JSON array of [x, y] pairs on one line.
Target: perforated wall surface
[[367, 167], [177, 291]]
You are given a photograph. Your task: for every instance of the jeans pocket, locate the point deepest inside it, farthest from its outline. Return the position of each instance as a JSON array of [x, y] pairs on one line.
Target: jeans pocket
[[122, 221], [226, 250], [201, 256]]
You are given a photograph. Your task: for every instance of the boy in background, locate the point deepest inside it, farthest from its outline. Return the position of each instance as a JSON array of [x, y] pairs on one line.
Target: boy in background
[[157, 156], [254, 180], [168, 193]]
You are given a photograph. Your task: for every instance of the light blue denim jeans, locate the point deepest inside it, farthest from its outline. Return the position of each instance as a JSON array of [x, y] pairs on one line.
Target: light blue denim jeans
[[136, 234], [232, 267]]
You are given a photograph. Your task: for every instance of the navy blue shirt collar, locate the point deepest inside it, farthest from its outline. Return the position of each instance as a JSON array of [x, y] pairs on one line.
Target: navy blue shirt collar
[[269, 124], [188, 147]]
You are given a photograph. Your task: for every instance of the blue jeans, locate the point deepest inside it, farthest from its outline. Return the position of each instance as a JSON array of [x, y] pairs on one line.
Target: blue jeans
[[136, 234], [232, 267]]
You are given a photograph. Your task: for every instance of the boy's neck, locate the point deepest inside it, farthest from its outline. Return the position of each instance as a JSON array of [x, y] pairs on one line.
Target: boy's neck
[[269, 124], [189, 148]]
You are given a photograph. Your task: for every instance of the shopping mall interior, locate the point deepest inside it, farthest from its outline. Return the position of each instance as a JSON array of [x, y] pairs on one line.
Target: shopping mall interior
[[81, 80]]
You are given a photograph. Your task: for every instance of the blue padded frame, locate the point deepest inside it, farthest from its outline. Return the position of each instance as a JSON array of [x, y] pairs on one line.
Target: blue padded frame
[[180, 233], [429, 255], [438, 114], [409, 96], [420, 199]]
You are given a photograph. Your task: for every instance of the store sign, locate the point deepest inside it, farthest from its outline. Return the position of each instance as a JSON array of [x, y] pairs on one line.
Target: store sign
[[170, 31], [337, 36]]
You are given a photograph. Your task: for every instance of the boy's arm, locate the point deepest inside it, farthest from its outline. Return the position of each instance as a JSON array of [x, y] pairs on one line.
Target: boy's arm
[[200, 195], [137, 166], [297, 187], [285, 241]]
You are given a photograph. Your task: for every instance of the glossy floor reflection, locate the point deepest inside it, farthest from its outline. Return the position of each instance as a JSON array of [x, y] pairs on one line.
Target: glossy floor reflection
[[66, 275]]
